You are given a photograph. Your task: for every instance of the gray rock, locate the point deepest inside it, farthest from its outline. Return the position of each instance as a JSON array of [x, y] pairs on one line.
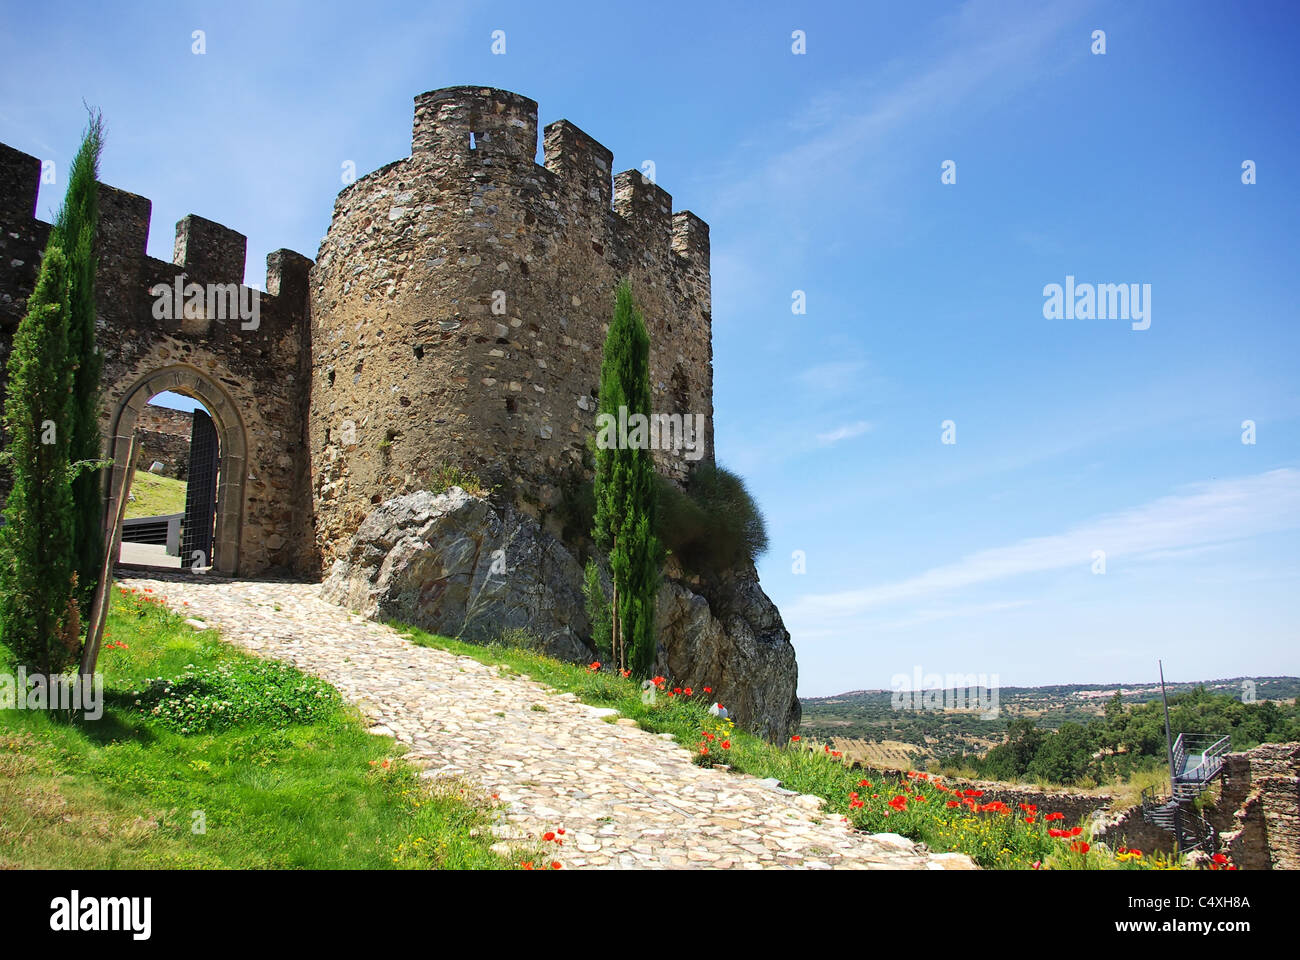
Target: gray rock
[[452, 564], [449, 564], [744, 655]]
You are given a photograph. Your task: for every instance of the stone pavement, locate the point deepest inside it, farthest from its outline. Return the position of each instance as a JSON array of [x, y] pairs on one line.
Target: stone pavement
[[624, 796]]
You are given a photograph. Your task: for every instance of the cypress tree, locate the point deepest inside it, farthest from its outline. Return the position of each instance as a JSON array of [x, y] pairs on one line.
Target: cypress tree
[[625, 488], [36, 563], [74, 231]]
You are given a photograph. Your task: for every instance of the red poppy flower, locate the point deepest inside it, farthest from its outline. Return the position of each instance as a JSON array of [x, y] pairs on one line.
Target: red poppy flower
[[1054, 816], [555, 864], [726, 744], [899, 802], [796, 738], [954, 803], [687, 691], [708, 689], [864, 783], [595, 665], [1080, 846], [548, 836]]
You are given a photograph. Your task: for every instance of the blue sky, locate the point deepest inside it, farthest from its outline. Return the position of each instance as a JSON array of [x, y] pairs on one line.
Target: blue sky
[[821, 172]]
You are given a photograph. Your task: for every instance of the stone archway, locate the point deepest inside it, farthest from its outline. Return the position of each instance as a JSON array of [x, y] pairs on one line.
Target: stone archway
[[232, 438]]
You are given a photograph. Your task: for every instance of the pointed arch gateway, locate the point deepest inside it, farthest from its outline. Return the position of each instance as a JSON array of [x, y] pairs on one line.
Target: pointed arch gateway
[[231, 437]]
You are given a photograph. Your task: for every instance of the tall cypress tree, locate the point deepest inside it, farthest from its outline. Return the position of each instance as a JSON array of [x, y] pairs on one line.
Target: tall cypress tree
[[74, 231], [36, 562], [625, 487]]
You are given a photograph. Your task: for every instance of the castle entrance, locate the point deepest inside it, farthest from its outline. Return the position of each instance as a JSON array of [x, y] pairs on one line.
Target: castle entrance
[[191, 523]]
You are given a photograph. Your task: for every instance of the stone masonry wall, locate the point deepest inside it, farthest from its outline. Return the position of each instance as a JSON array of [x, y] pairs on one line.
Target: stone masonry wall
[[1257, 813], [164, 438], [459, 307], [260, 373]]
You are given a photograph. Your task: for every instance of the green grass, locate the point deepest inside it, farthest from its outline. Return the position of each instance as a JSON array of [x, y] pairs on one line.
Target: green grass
[[993, 840], [285, 777], [155, 496]]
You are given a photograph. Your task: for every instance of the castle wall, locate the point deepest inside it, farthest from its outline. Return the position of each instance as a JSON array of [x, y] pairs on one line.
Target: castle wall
[[1258, 810], [459, 306], [164, 438], [258, 374]]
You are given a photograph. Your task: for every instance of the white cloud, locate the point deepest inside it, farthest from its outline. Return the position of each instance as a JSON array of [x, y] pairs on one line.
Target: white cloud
[[1209, 513], [845, 432]]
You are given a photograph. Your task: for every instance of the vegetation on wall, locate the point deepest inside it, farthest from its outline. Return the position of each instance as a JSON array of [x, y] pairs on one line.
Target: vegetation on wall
[[715, 525]]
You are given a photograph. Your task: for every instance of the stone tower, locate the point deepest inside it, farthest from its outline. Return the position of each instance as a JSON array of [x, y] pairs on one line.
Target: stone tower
[[459, 305]]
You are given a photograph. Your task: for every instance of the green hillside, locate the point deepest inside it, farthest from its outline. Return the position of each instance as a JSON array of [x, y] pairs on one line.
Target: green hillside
[[155, 496]]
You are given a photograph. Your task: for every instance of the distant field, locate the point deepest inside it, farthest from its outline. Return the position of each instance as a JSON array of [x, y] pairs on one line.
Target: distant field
[[885, 755], [867, 720], [155, 496]]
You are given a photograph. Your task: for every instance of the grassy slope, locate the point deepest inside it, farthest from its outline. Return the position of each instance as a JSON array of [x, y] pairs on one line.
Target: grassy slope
[[155, 496], [993, 840], [122, 791]]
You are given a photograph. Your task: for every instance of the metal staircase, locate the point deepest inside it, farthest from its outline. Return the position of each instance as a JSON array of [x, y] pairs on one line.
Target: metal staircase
[[1195, 760]]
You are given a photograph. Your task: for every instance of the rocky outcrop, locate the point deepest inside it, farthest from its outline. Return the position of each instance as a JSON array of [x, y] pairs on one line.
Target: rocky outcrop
[[741, 649], [452, 564]]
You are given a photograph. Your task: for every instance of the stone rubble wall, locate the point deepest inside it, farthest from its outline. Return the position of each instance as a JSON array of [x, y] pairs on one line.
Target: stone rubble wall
[[1258, 812], [164, 438]]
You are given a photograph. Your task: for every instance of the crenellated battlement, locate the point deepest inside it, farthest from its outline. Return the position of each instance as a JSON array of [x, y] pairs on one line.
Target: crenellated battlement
[[487, 123], [20, 182], [204, 250], [486, 136], [583, 166]]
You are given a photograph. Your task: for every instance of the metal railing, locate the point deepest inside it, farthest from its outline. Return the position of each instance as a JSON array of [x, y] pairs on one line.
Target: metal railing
[[1198, 758], [163, 531]]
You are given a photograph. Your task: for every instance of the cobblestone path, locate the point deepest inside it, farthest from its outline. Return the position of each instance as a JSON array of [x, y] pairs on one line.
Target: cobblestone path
[[624, 796]]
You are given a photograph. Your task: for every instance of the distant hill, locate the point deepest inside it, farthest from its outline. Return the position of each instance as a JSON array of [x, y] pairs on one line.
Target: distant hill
[[869, 714]]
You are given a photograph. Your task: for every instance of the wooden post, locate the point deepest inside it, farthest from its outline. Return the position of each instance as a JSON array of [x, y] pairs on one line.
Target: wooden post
[[99, 608]]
